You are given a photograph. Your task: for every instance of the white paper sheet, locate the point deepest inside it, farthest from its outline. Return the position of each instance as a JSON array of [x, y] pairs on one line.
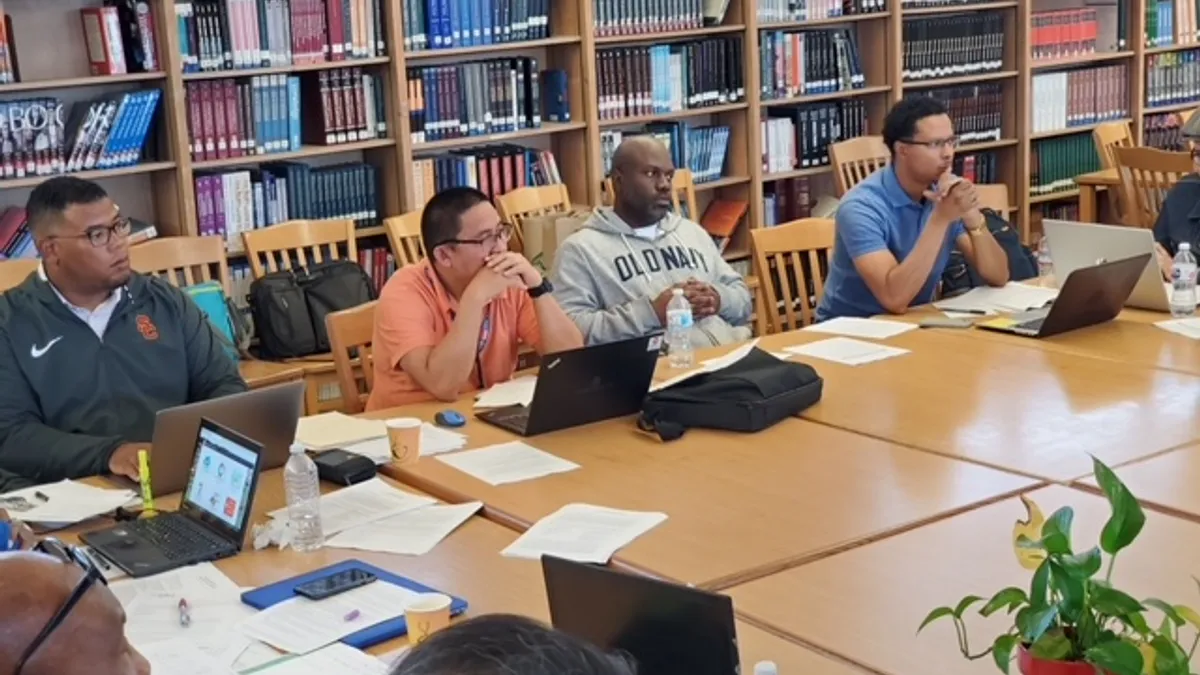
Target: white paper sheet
[[300, 625], [507, 463], [1189, 328], [852, 326], [336, 659], [65, 502], [413, 532], [434, 441], [847, 351], [255, 656], [336, 430], [190, 582], [709, 366], [518, 391], [583, 532], [1014, 297], [360, 504], [182, 658]]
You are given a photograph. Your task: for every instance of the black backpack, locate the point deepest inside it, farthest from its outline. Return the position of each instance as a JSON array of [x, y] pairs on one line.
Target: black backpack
[[959, 276], [748, 395], [289, 306]]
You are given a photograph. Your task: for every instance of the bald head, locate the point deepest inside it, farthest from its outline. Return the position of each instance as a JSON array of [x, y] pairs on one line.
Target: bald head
[[90, 640], [642, 174]]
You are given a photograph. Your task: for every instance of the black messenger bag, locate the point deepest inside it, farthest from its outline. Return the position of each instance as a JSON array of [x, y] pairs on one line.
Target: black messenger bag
[[749, 395]]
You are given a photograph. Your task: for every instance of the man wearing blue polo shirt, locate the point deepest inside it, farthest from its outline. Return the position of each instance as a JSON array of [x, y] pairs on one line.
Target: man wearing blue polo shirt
[[895, 229]]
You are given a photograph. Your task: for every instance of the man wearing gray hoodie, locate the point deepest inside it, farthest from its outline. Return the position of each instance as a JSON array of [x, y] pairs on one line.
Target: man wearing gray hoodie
[[615, 276]]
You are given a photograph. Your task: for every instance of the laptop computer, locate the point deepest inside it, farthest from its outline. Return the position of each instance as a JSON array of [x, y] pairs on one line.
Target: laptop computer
[[667, 628], [213, 516], [269, 415], [1090, 295], [584, 385], [1076, 245]]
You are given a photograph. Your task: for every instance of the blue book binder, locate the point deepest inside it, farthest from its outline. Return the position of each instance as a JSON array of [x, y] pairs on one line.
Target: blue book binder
[[262, 598]]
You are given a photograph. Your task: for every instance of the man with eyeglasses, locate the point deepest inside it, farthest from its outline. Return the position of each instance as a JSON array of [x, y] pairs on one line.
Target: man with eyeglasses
[[57, 617], [455, 321], [1179, 218], [896, 228], [89, 350]]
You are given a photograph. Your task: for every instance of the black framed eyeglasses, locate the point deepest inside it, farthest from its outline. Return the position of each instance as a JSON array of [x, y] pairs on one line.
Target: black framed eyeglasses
[[99, 236], [936, 144], [503, 232], [91, 574]]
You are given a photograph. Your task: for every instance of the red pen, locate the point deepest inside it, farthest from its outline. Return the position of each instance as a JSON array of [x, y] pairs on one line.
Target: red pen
[[185, 613]]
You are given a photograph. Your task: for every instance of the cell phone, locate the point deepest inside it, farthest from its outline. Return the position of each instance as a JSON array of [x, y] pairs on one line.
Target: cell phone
[[946, 322], [333, 584]]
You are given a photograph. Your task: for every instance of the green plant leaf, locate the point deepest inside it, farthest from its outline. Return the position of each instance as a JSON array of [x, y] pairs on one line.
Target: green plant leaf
[[1166, 608], [965, 604], [1082, 565], [1009, 598], [1137, 622], [939, 613], [1039, 585], [1111, 602], [1002, 651], [1053, 646], [1070, 591], [1127, 517], [1056, 531], [1035, 622], [1118, 656], [1170, 659], [1188, 614]]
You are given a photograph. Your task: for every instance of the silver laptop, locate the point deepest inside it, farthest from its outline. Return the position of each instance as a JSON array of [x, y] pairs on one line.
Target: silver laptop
[[1076, 245], [268, 416]]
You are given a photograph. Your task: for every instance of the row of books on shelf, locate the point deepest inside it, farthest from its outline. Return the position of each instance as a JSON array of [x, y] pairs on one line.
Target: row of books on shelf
[[1055, 162], [1171, 22], [36, 139], [16, 241], [484, 97], [379, 263], [216, 35], [120, 38], [1173, 78], [493, 170], [783, 11], [268, 114], [977, 110], [803, 63], [931, 4], [1065, 33], [665, 78], [799, 138], [1163, 131], [1079, 97], [978, 167], [700, 149], [632, 17], [231, 202], [953, 46], [453, 24]]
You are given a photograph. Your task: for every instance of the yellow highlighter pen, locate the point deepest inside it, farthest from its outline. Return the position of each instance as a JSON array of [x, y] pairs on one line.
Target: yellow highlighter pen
[[144, 475]]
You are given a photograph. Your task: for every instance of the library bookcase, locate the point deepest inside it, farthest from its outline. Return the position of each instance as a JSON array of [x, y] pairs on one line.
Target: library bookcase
[[53, 62]]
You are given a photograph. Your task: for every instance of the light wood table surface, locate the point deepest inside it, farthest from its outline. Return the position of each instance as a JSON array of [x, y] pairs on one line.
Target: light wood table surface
[[1169, 482], [467, 564], [1033, 411], [866, 604], [265, 373]]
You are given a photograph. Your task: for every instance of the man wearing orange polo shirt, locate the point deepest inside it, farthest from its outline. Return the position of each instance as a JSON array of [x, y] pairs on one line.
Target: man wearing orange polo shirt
[[454, 321]]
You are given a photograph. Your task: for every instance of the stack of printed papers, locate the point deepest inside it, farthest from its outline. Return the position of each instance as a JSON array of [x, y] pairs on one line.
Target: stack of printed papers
[[1189, 328], [361, 504], [414, 532], [846, 351], [64, 503], [583, 533], [507, 463], [513, 392], [1013, 297], [873, 329]]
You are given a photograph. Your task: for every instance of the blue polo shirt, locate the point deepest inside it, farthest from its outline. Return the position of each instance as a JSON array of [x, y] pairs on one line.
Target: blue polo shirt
[[875, 215]]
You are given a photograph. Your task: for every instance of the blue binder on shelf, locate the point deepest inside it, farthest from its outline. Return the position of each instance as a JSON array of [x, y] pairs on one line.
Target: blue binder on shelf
[[266, 596]]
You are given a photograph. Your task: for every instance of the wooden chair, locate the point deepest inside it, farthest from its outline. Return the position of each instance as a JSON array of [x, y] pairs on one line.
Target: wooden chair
[[1109, 136], [994, 196], [15, 272], [857, 158], [183, 261], [1147, 174], [404, 236], [299, 243], [350, 335], [788, 260], [524, 202]]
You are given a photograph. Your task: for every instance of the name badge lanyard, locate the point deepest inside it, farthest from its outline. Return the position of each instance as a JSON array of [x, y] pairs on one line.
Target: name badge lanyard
[[485, 336]]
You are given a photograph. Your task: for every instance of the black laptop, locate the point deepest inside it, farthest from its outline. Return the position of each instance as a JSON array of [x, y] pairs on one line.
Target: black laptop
[[212, 519], [584, 385], [668, 629]]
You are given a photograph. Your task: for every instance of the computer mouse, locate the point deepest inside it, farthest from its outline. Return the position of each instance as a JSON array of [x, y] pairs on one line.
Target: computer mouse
[[449, 418]]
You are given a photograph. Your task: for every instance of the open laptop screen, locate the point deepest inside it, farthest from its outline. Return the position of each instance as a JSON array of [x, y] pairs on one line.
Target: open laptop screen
[[224, 475]]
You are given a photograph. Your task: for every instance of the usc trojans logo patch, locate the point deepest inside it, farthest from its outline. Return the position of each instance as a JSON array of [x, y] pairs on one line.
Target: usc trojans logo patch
[[146, 327]]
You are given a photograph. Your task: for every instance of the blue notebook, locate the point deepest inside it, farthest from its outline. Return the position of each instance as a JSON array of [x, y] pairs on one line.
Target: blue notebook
[[262, 598]]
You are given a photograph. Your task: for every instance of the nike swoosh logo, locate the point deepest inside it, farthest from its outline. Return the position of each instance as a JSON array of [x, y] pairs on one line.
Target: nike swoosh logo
[[37, 352]]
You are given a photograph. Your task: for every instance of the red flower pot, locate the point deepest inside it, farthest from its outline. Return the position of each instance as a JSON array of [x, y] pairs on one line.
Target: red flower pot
[[1032, 665]]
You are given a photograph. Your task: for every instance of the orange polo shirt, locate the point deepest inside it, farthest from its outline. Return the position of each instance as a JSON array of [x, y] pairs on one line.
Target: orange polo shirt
[[416, 311]]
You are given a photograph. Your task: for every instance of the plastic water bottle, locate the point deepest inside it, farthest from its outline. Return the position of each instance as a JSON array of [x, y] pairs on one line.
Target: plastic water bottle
[[302, 486], [1183, 283], [679, 325], [1044, 262]]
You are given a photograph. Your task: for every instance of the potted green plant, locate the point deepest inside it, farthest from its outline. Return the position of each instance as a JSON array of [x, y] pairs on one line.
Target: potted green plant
[[1071, 621]]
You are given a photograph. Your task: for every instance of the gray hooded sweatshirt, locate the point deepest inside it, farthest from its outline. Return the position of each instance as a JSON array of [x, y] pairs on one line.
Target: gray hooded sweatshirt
[[606, 277]]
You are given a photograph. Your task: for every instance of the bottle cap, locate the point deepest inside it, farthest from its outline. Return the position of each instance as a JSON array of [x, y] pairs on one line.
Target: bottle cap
[[1184, 246], [765, 668], [297, 449], [677, 292]]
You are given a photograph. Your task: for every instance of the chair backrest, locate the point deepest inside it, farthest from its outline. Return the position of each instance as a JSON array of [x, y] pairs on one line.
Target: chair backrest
[[299, 243], [994, 196], [516, 206], [350, 335], [1109, 136], [15, 272], [791, 261], [683, 192], [404, 236], [183, 261], [857, 158], [1147, 174]]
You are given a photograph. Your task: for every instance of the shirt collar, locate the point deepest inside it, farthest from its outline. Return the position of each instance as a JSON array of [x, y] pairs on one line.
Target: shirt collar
[[895, 193], [114, 298], [435, 282]]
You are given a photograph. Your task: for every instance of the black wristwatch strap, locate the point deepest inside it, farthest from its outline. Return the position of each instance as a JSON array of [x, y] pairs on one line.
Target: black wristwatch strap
[[541, 289]]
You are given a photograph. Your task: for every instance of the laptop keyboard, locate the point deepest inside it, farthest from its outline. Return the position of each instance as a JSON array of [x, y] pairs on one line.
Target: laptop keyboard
[[179, 538]]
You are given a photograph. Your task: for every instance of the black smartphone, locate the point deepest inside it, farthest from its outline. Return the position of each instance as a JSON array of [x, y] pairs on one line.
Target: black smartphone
[[338, 582]]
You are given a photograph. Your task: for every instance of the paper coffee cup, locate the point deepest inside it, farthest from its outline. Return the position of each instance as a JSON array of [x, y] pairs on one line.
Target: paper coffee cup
[[404, 437], [425, 615]]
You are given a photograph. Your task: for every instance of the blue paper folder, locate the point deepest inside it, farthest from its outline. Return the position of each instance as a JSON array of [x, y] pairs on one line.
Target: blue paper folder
[[262, 598]]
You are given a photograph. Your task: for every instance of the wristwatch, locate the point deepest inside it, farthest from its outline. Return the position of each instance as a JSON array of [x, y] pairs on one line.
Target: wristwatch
[[541, 289]]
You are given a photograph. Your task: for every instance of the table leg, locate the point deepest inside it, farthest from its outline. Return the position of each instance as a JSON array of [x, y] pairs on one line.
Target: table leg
[[1087, 203]]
